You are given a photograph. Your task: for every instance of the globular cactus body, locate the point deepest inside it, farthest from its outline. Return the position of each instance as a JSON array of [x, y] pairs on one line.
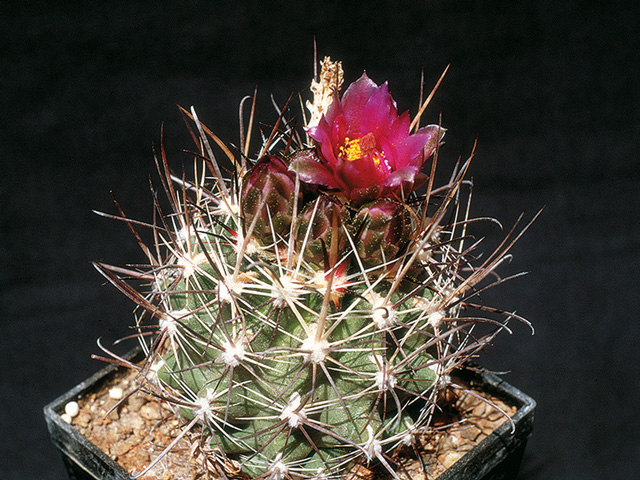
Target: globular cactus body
[[292, 367], [309, 315]]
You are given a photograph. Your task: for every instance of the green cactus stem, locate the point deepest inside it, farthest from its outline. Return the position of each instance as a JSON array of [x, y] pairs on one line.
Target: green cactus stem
[[303, 334]]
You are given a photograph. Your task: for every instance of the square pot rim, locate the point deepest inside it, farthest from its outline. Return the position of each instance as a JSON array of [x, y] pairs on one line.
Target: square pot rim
[[478, 461]]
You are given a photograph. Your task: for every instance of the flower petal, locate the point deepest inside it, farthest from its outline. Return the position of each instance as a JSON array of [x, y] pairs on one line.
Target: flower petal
[[432, 135], [358, 93], [310, 170], [405, 175], [379, 112]]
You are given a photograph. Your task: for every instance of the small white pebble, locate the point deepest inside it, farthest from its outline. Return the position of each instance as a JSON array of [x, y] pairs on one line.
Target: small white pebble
[[66, 418], [116, 393], [71, 409]]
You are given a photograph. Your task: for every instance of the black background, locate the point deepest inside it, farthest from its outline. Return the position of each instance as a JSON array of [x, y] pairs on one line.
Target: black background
[[548, 88]]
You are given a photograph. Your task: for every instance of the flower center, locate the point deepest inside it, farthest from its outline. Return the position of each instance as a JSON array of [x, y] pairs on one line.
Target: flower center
[[354, 149]]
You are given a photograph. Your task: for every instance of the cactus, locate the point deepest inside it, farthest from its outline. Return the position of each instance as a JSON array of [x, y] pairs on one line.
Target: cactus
[[306, 319]]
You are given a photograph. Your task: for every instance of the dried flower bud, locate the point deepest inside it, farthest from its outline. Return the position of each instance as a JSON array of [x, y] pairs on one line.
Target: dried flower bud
[[324, 90]]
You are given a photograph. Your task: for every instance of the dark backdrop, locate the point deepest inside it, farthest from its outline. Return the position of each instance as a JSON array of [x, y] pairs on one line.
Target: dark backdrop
[[548, 88]]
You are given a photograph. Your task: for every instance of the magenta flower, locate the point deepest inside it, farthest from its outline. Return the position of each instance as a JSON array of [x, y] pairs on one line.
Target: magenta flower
[[365, 149]]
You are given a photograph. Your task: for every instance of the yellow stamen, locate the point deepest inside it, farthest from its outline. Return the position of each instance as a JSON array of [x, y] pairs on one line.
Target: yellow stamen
[[357, 148], [351, 150]]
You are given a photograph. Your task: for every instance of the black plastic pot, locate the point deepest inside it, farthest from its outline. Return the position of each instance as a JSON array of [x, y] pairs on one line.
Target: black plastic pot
[[497, 457]]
